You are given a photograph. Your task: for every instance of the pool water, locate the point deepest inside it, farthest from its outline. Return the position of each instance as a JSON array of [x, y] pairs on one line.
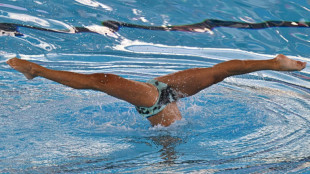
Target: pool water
[[254, 123]]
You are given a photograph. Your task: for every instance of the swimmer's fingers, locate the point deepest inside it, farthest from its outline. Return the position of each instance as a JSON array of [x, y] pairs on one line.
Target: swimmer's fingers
[[12, 62], [286, 64], [302, 65]]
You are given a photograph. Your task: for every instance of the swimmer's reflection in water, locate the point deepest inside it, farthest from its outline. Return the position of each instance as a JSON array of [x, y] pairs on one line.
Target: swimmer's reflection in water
[[168, 144], [207, 25], [109, 27], [156, 99]]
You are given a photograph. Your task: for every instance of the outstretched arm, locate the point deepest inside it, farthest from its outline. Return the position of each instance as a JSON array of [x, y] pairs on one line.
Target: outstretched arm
[[191, 81], [187, 82], [136, 93]]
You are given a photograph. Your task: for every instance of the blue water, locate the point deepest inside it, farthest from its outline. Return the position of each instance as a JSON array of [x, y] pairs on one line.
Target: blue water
[[255, 123]]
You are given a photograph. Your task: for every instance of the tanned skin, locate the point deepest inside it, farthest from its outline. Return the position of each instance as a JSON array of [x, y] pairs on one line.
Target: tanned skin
[[186, 83]]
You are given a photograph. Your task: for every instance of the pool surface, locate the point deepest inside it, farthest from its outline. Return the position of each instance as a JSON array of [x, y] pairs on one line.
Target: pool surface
[[254, 123]]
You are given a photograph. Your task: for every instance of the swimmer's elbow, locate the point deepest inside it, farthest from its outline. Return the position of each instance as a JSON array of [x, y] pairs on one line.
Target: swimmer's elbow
[[97, 81], [102, 81]]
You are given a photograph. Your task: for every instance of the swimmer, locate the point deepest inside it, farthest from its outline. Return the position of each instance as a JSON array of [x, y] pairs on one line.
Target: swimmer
[[156, 99]]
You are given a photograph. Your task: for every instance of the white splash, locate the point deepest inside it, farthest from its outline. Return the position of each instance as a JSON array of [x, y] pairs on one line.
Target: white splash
[[44, 45], [7, 33], [70, 28], [38, 2], [102, 30], [203, 30], [139, 13], [136, 11], [25, 18], [13, 6], [94, 4], [210, 53]]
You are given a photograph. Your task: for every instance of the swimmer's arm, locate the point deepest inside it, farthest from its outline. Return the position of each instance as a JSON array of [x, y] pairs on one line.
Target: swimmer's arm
[[134, 92], [191, 81]]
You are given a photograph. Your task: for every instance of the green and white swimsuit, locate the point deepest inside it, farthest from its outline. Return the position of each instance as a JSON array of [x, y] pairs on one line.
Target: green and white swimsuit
[[166, 95]]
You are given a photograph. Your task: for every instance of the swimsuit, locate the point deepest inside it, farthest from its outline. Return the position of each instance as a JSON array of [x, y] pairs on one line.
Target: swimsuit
[[166, 95]]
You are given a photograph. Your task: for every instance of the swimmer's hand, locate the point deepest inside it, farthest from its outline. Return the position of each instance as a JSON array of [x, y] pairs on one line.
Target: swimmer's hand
[[23, 66], [286, 64]]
